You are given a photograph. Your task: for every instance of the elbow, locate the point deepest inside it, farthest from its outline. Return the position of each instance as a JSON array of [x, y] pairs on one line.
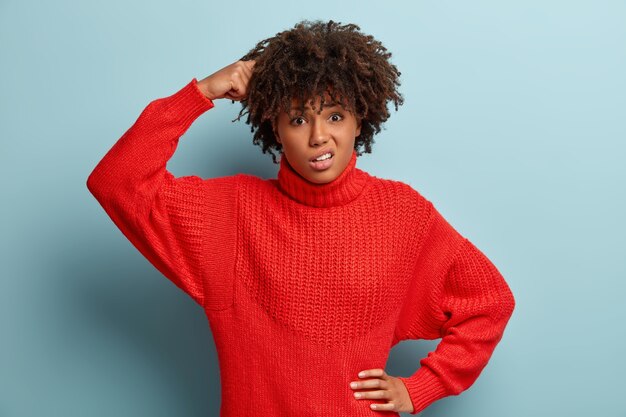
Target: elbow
[[506, 306], [512, 303], [101, 185], [508, 301], [94, 184], [91, 182]]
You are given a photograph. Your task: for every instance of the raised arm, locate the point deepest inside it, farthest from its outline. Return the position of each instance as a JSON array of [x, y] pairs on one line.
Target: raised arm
[[468, 307], [184, 226]]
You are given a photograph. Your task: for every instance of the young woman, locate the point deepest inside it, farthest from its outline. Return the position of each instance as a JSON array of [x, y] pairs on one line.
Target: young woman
[[308, 279]]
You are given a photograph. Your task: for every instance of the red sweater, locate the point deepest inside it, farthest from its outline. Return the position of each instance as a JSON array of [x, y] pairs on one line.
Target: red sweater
[[304, 285]]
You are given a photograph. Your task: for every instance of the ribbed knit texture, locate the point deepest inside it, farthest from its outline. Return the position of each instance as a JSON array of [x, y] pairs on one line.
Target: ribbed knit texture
[[303, 284]]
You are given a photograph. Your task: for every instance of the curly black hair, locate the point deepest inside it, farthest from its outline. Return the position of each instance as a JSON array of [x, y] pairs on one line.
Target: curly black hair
[[310, 60]]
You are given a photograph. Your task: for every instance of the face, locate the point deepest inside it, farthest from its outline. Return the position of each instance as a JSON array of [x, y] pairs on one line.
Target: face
[[306, 135]]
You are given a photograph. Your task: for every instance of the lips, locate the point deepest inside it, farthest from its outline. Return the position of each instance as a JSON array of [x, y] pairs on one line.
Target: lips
[[332, 153], [323, 164]]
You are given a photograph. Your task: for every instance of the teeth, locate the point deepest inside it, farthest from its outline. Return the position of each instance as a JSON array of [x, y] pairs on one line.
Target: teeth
[[325, 156]]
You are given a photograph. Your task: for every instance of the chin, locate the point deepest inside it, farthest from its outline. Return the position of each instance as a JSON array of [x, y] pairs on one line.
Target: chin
[[323, 177]]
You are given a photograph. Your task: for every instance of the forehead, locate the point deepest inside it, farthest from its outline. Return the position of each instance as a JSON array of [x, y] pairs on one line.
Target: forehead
[[313, 103]]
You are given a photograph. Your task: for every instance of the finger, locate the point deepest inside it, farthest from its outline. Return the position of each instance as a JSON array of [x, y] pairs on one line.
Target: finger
[[246, 74], [384, 407], [373, 373], [231, 97], [235, 92], [247, 68], [235, 82], [249, 64], [238, 87], [370, 383], [372, 395], [245, 78], [242, 68]]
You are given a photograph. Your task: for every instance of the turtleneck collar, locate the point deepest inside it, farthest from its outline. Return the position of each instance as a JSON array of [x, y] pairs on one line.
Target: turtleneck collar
[[343, 189]]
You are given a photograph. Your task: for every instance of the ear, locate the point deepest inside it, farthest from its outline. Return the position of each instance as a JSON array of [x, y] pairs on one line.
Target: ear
[[358, 128]]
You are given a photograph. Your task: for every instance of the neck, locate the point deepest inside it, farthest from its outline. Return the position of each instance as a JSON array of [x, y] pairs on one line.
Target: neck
[[343, 189]]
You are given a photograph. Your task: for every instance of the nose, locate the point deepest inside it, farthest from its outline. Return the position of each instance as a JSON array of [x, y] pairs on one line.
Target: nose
[[319, 133]]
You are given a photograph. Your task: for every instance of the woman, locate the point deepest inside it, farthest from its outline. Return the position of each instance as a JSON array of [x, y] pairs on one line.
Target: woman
[[310, 278]]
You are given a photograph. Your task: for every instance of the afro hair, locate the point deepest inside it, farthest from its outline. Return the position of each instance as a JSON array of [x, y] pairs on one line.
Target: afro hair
[[311, 60]]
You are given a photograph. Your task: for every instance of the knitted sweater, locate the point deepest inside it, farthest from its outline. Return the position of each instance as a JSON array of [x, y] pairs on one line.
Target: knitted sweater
[[303, 284]]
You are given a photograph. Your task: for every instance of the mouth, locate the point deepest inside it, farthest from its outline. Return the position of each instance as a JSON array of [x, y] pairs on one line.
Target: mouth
[[322, 156], [322, 161]]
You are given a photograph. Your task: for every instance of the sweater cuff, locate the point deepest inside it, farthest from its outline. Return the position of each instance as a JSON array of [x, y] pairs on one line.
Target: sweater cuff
[[424, 388], [189, 102]]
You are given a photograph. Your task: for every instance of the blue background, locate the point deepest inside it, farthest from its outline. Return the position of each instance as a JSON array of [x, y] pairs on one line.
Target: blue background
[[513, 125]]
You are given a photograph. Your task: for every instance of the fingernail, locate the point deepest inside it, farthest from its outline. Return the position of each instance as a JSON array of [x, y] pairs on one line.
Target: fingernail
[[353, 384], [361, 374]]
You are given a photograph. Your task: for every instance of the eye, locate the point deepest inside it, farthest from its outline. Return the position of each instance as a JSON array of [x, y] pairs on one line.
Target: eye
[[297, 121], [335, 117]]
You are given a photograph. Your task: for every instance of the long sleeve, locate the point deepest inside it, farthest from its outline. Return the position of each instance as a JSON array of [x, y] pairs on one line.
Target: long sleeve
[[184, 226], [468, 304]]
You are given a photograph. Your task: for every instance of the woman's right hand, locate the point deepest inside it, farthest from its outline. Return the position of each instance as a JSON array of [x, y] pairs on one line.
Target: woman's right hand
[[230, 82]]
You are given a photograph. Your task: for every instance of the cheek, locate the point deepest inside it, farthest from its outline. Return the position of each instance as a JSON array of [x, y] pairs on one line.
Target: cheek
[[350, 133]]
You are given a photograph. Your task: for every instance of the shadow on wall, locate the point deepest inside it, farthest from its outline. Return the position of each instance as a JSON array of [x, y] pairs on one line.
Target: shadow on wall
[[130, 323]]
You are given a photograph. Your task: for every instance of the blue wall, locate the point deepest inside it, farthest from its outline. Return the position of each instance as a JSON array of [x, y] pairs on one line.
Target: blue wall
[[514, 126]]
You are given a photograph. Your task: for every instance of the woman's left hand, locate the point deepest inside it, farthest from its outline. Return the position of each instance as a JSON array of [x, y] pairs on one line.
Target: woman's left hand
[[376, 384]]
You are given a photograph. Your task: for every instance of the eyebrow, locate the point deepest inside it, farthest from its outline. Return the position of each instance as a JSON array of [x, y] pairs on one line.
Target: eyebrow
[[308, 109]]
